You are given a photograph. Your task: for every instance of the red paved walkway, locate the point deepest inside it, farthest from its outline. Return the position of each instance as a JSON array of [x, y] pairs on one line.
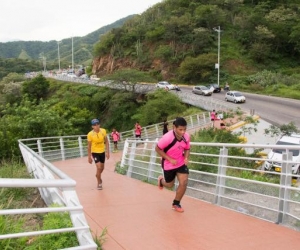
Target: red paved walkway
[[138, 216]]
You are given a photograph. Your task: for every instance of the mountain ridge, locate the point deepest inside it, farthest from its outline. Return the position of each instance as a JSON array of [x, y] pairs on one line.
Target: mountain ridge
[[82, 47]]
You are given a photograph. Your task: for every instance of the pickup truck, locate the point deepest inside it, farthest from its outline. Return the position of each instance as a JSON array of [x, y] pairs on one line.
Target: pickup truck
[[275, 156]]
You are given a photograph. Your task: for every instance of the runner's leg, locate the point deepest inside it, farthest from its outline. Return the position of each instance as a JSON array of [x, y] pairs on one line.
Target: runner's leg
[[183, 180]]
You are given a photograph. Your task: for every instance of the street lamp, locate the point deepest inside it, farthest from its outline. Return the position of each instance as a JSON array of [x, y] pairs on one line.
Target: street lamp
[[218, 65], [44, 60], [58, 42], [72, 56]]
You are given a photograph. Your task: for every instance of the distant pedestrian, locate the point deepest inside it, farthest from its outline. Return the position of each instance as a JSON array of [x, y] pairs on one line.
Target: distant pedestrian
[[226, 88], [174, 148], [138, 130], [213, 117], [98, 149], [115, 135], [222, 125], [165, 127]]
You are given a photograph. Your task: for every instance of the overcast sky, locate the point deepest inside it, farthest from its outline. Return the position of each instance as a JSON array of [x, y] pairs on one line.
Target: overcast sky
[[45, 20]]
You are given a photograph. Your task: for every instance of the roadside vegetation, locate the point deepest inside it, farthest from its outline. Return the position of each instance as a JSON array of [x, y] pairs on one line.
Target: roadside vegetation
[[175, 40], [41, 108]]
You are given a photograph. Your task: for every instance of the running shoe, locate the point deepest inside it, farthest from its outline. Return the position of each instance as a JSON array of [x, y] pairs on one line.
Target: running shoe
[[177, 208], [159, 183], [99, 187]]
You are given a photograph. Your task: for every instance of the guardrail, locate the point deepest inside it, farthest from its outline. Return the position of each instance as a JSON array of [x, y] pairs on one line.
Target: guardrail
[[219, 175], [192, 99], [68, 147], [55, 188]]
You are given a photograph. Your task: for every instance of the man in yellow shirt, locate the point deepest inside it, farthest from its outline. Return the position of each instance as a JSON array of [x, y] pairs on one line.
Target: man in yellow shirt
[[98, 149]]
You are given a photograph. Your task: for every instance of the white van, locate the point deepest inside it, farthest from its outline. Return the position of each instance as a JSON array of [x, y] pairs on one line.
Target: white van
[[275, 156]]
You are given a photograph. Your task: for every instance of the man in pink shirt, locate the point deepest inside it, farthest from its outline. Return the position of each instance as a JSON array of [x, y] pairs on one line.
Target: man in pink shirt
[[213, 117], [174, 148]]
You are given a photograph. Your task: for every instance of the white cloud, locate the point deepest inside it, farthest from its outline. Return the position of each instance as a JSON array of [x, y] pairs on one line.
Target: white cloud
[[46, 20]]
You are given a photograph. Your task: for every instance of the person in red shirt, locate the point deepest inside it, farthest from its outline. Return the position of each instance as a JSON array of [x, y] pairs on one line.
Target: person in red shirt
[[213, 117], [115, 137], [138, 130], [174, 148]]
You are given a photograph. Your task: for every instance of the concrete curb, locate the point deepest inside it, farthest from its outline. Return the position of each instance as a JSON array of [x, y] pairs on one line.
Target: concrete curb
[[242, 123]]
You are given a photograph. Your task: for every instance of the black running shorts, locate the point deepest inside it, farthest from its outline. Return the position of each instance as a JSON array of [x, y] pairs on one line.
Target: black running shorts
[[171, 174], [99, 157]]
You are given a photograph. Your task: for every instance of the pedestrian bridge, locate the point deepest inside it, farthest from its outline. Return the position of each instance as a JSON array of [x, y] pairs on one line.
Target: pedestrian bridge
[[229, 204]]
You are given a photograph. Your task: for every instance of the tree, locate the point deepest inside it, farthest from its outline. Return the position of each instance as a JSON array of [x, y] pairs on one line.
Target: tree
[[285, 129], [12, 92], [197, 69], [158, 107], [130, 80], [13, 77], [36, 88]]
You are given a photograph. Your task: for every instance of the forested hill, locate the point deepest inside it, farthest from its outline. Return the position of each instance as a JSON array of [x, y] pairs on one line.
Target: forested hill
[[33, 50], [176, 39]]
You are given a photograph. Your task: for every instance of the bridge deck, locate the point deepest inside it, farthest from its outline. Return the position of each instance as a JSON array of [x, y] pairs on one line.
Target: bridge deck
[[138, 215]]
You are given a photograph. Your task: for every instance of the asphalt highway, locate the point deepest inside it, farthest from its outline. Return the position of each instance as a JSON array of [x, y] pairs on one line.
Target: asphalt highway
[[275, 110]]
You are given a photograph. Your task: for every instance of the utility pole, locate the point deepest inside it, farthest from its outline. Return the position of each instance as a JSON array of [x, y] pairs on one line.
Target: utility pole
[[43, 61], [219, 43], [72, 56], [58, 42]]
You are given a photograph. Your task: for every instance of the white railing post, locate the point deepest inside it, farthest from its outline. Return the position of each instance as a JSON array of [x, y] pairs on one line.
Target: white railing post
[[145, 146], [221, 176], [157, 130], [80, 146], [125, 151], [131, 159], [285, 183], [152, 161], [192, 123], [62, 148], [40, 147], [204, 118], [146, 133]]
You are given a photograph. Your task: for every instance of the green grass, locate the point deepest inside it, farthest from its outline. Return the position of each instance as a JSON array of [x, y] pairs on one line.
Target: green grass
[[16, 198]]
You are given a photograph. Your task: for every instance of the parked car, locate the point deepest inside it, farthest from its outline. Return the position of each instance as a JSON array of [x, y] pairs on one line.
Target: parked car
[[235, 96], [274, 161], [165, 85], [215, 87], [202, 90]]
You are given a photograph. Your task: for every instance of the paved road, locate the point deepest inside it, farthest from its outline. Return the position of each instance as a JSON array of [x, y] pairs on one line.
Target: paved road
[[275, 110]]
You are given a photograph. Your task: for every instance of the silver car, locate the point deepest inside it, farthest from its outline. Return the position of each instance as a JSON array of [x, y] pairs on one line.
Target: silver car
[[235, 96], [165, 85], [202, 90]]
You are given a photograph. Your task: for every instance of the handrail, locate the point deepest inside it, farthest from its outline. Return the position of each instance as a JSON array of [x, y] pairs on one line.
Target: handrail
[[226, 179], [55, 188]]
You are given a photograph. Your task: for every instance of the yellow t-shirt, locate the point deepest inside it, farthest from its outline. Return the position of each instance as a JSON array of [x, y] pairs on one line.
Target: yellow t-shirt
[[97, 140]]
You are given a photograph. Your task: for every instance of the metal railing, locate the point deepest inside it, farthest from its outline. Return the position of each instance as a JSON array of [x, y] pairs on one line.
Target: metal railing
[[220, 175], [195, 100], [55, 188], [68, 147]]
